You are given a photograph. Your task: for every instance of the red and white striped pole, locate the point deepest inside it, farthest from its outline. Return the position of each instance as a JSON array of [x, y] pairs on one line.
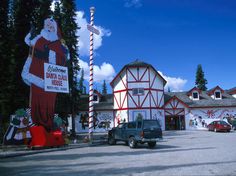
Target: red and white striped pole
[[91, 111]]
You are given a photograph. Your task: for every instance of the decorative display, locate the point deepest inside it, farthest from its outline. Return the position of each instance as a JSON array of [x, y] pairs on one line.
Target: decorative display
[[45, 48], [102, 122], [44, 68], [18, 130]]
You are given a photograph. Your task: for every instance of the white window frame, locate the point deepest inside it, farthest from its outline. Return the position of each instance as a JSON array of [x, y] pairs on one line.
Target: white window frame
[[197, 95], [96, 101], [140, 91], [218, 91]]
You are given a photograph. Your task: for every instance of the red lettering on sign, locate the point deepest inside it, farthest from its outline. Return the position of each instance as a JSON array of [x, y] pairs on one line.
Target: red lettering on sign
[[56, 83]]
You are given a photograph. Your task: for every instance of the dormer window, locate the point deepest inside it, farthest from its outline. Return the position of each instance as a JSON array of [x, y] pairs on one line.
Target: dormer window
[[195, 96], [194, 93], [217, 95], [95, 98]]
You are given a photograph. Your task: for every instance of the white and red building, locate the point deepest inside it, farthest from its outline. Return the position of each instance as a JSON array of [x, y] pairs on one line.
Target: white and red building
[[138, 91]]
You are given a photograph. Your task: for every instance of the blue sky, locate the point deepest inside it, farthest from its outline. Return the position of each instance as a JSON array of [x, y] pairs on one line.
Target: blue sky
[[172, 35]]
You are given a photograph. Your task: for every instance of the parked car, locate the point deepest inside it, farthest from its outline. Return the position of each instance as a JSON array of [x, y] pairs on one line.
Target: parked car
[[144, 131], [219, 125]]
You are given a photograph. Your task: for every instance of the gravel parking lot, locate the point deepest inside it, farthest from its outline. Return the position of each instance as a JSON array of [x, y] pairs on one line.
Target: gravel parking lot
[[180, 153]]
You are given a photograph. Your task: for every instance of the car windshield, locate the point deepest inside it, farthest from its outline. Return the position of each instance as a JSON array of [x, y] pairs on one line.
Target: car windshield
[[151, 124]]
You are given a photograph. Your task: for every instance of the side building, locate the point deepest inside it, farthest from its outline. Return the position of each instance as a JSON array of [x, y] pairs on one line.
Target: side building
[[103, 113], [196, 108]]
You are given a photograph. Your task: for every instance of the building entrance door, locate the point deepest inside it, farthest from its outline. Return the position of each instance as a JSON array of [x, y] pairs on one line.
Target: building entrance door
[[175, 123]]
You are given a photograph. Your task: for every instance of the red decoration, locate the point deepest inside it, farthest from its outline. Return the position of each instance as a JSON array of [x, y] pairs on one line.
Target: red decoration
[[41, 138]]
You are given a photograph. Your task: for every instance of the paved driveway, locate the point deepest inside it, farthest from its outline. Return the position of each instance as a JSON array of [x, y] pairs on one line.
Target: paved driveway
[[180, 153]]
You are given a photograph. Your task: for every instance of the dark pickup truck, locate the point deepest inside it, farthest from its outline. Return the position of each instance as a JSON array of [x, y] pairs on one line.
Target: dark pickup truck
[[136, 132]]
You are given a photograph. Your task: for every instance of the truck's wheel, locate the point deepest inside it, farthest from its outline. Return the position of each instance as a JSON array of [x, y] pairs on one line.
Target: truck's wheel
[[111, 140], [151, 144], [132, 142]]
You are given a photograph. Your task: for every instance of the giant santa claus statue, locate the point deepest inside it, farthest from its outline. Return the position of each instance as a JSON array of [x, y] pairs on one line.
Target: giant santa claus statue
[[44, 48]]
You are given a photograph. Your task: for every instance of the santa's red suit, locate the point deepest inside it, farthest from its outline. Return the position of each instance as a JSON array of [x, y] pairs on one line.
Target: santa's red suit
[[45, 48]]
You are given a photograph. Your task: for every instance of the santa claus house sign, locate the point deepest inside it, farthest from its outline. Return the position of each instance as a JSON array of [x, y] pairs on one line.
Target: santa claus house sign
[[56, 78]]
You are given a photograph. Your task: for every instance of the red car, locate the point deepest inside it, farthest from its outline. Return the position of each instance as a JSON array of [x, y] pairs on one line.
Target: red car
[[219, 125]]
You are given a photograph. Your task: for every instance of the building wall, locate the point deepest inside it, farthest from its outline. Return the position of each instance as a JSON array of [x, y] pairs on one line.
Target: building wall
[[149, 105], [104, 122], [120, 116], [197, 115]]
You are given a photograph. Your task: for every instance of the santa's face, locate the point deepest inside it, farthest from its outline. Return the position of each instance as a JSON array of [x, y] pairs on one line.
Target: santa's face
[[49, 32], [49, 25]]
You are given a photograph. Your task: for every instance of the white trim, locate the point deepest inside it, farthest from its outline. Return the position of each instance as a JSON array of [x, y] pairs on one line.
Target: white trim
[[217, 91], [197, 95]]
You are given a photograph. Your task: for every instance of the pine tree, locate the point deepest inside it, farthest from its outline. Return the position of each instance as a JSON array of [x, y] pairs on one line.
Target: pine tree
[[69, 28], [25, 14], [104, 88], [22, 12], [57, 14], [81, 82], [40, 13], [200, 81], [4, 66], [63, 100], [169, 89]]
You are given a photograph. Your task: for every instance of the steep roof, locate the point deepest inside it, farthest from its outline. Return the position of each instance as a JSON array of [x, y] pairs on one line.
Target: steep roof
[[138, 63], [231, 91]]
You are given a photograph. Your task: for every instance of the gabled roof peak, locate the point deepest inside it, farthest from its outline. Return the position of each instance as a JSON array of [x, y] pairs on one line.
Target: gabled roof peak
[[194, 89], [211, 91], [137, 63], [232, 91]]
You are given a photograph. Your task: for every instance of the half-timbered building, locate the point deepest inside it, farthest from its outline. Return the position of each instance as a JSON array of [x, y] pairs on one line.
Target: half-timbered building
[[138, 91]]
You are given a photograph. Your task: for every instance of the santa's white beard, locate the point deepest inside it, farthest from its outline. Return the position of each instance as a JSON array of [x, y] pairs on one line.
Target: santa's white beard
[[51, 36]]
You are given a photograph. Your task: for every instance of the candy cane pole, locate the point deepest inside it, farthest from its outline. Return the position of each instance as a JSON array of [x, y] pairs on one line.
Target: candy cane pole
[[91, 111]]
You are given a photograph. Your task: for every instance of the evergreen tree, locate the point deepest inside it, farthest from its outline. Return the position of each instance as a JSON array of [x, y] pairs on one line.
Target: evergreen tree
[[22, 13], [104, 88], [69, 28], [57, 14], [63, 100], [25, 14], [5, 65], [81, 82], [200, 81], [169, 89], [40, 12]]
